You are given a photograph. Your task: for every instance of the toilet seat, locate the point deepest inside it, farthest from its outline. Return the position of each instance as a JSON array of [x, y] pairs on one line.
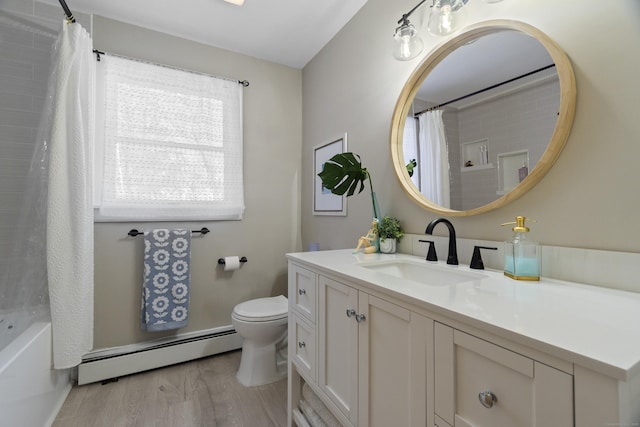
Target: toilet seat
[[262, 309]]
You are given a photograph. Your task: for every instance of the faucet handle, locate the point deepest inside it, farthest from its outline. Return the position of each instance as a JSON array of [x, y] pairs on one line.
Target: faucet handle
[[476, 259], [431, 253]]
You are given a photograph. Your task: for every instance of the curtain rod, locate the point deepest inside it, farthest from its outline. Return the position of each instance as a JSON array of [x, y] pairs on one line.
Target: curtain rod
[[244, 83], [67, 12], [485, 89]]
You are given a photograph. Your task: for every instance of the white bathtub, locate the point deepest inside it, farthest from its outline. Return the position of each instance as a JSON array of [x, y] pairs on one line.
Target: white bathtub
[[31, 393], [13, 323]]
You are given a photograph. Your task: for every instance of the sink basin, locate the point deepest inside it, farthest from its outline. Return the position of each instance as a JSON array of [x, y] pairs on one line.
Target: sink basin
[[422, 272]]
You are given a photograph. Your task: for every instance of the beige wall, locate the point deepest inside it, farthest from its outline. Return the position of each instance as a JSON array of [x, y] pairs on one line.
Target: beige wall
[[587, 200], [590, 198], [270, 228]]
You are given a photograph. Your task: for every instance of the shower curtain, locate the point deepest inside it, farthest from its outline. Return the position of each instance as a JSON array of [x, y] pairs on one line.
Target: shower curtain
[[434, 158], [70, 199]]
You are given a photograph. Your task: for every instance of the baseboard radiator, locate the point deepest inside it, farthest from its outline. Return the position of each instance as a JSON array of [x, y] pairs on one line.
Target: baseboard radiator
[[115, 362]]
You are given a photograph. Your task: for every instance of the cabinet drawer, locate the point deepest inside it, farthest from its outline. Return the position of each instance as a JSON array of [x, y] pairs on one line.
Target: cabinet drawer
[[302, 291], [439, 422], [482, 367], [304, 343], [483, 384]]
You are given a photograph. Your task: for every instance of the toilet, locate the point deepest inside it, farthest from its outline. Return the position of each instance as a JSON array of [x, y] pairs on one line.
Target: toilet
[[262, 323]]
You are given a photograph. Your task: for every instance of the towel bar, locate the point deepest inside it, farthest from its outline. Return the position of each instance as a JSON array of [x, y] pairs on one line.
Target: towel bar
[[134, 232]]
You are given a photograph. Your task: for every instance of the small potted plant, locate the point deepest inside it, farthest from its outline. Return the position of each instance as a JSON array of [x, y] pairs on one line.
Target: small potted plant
[[390, 232]]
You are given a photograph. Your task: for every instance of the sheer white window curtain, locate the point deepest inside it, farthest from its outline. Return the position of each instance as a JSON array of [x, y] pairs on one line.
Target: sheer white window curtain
[[172, 144], [434, 158]]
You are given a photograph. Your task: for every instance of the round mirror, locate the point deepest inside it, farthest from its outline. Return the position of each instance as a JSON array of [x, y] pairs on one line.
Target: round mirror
[[482, 118]]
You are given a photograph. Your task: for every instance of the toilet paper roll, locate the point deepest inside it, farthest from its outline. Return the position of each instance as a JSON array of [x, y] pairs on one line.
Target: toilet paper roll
[[231, 263]]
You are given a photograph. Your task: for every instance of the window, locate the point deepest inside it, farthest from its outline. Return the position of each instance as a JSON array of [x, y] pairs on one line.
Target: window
[[171, 146]]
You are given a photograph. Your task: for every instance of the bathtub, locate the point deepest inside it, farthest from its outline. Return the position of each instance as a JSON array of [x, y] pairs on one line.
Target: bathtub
[[31, 393], [14, 323]]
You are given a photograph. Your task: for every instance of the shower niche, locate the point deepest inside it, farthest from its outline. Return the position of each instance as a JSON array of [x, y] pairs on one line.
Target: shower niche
[[513, 168], [475, 155]]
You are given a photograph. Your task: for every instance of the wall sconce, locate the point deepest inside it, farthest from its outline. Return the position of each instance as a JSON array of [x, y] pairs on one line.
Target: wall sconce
[[407, 42], [444, 16], [443, 19]]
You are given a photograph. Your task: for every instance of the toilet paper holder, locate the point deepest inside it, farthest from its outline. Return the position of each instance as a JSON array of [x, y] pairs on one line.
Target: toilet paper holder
[[242, 259]]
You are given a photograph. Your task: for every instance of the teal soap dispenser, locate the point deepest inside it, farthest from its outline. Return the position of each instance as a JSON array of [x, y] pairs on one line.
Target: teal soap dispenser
[[521, 253]]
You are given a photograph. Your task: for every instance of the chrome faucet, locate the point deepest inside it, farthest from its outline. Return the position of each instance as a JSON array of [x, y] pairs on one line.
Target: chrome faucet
[[452, 258]]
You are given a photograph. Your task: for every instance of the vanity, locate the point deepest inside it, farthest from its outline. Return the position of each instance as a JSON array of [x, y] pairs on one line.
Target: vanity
[[394, 340]]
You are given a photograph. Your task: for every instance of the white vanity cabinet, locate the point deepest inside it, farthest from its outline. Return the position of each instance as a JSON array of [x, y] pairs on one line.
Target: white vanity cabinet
[[478, 383], [386, 351], [372, 358]]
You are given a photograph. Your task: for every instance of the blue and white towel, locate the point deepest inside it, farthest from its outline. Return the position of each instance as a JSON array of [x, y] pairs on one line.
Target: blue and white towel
[[167, 271]]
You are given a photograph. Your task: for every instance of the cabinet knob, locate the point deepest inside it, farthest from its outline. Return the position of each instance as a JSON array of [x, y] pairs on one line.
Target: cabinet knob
[[487, 399], [302, 291], [360, 318], [302, 344], [351, 312]]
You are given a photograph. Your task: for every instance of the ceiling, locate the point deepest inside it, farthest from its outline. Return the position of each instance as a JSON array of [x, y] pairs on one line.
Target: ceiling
[[289, 32], [292, 32]]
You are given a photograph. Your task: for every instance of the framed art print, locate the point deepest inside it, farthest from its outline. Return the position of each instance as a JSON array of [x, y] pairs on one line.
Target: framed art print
[[324, 201]]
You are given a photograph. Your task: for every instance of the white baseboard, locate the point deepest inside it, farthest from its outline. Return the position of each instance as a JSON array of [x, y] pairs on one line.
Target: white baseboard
[[116, 362]]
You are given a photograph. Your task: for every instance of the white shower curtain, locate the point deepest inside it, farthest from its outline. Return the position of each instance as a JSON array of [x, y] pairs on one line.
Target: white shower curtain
[[70, 200], [434, 158]]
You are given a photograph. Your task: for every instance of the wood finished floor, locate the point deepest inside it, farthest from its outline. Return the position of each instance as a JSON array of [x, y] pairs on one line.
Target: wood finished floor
[[203, 392]]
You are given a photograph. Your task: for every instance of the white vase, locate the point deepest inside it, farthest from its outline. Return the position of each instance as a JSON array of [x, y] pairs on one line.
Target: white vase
[[388, 245]]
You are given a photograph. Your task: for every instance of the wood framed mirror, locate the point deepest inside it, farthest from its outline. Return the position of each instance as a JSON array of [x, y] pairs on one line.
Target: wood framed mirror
[[507, 97]]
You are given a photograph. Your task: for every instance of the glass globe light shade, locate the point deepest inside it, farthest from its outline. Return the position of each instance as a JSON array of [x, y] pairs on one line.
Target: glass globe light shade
[[408, 43], [444, 17]]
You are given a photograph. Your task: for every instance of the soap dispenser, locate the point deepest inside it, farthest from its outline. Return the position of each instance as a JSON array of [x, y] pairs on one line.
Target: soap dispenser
[[521, 253]]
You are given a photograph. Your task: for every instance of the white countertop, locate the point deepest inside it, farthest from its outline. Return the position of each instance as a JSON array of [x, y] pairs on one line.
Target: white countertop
[[596, 327]]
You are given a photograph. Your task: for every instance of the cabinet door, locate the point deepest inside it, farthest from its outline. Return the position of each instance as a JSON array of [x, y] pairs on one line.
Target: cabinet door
[[392, 364], [481, 384], [338, 345]]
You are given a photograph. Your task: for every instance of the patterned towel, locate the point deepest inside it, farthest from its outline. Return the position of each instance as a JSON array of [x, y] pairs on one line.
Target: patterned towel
[[165, 293]]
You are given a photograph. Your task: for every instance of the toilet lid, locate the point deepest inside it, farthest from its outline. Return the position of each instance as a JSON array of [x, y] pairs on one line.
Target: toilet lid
[[263, 309]]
